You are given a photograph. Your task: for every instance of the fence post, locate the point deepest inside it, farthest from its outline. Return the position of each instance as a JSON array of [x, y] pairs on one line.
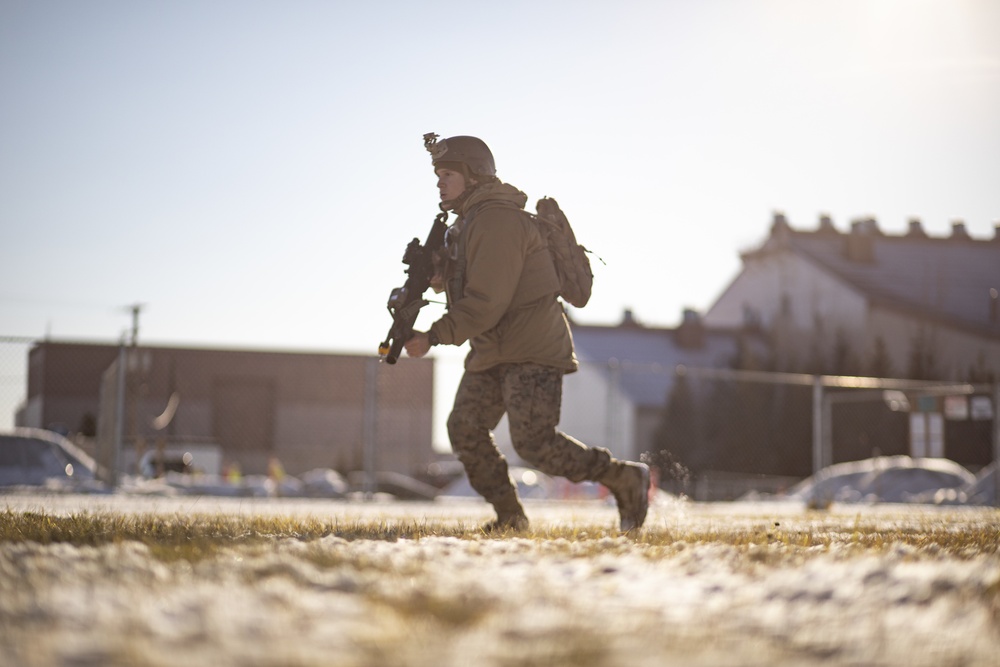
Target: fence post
[[611, 426], [996, 444], [119, 415], [826, 458], [370, 425], [817, 424]]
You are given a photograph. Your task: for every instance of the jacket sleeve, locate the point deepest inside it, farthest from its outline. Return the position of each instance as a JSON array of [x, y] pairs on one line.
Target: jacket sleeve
[[495, 253]]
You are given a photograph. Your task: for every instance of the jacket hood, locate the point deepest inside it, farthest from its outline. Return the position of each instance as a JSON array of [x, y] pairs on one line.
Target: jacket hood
[[495, 191]]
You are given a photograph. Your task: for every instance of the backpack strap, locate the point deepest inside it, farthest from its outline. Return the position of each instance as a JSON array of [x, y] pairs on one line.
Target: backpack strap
[[538, 278], [538, 275]]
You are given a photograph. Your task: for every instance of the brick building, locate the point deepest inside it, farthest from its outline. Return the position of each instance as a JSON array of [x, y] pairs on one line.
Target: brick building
[[308, 410]]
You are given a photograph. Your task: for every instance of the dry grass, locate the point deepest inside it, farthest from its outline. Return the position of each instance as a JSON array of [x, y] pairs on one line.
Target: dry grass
[[194, 537], [700, 585]]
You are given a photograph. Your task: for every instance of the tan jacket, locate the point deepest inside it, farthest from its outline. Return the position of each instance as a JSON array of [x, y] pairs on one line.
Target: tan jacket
[[506, 306]]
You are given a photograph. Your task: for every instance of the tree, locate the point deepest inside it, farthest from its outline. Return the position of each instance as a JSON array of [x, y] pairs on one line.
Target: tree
[[880, 365], [677, 442], [923, 357], [845, 361], [981, 373]]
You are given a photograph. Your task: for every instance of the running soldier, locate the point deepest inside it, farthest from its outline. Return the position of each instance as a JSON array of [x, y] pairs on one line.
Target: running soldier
[[502, 287]]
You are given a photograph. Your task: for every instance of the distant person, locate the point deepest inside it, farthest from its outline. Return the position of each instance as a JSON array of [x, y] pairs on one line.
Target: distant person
[[501, 289]]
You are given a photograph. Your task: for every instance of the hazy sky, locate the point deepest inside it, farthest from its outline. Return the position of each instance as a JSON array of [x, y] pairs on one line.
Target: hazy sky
[[251, 171]]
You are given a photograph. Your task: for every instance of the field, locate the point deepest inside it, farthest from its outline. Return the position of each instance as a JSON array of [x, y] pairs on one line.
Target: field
[[113, 580]]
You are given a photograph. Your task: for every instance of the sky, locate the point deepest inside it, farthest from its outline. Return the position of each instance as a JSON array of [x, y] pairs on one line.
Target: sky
[[250, 172]]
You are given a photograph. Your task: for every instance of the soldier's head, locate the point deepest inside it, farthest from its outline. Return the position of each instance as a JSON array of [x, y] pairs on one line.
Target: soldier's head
[[460, 163]]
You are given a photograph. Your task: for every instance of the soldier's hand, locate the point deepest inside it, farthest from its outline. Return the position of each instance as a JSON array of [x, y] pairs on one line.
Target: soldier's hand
[[437, 283], [418, 345], [440, 262]]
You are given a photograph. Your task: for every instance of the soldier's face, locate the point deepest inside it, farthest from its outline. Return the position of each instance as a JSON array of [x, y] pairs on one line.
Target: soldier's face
[[451, 184]]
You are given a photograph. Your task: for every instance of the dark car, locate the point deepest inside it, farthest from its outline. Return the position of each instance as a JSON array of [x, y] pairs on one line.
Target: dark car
[[32, 457]]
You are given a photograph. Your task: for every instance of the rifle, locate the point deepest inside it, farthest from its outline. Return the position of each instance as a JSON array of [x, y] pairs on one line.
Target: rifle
[[405, 302]]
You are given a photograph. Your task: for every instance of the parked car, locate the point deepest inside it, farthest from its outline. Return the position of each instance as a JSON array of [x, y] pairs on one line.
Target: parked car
[[184, 458], [157, 464], [33, 457]]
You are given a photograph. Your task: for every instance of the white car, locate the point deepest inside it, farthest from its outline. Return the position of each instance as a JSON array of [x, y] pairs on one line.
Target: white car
[[32, 457]]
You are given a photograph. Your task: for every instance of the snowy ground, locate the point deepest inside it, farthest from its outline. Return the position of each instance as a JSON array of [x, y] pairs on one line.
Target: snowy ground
[[601, 601]]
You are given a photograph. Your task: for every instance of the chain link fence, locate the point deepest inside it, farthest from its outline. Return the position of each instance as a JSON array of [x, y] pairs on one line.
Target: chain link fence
[[716, 433], [712, 434]]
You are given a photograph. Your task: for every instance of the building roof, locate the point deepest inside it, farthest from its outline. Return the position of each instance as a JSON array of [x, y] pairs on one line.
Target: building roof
[[646, 357], [953, 279]]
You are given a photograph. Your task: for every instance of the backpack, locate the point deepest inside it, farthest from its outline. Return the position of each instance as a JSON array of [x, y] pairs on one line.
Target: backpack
[[576, 280]]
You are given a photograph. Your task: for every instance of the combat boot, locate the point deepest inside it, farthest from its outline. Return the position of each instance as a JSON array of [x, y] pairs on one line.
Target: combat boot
[[629, 483], [510, 516], [514, 522]]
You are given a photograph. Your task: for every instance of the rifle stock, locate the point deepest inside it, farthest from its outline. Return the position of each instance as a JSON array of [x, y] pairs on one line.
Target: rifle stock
[[405, 302]]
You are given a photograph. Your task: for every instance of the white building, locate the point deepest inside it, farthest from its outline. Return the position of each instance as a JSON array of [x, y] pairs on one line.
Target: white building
[[617, 397], [929, 305]]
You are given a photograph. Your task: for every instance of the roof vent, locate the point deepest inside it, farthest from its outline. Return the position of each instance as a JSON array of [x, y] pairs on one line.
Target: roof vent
[[628, 319], [691, 332], [861, 241], [958, 230], [916, 229], [779, 224], [867, 226], [780, 232], [826, 225]]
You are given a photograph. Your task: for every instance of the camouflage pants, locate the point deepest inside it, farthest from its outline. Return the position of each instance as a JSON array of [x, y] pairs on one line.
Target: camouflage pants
[[531, 396]]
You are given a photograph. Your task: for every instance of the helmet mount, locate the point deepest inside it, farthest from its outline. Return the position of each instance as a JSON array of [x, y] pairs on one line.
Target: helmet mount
[[470, 151]]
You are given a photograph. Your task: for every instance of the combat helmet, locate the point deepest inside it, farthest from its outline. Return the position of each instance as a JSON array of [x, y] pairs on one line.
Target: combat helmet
[[469, 151]]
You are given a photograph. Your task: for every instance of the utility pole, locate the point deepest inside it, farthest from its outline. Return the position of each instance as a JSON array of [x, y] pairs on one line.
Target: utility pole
[[133, 384], [135, 309]]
